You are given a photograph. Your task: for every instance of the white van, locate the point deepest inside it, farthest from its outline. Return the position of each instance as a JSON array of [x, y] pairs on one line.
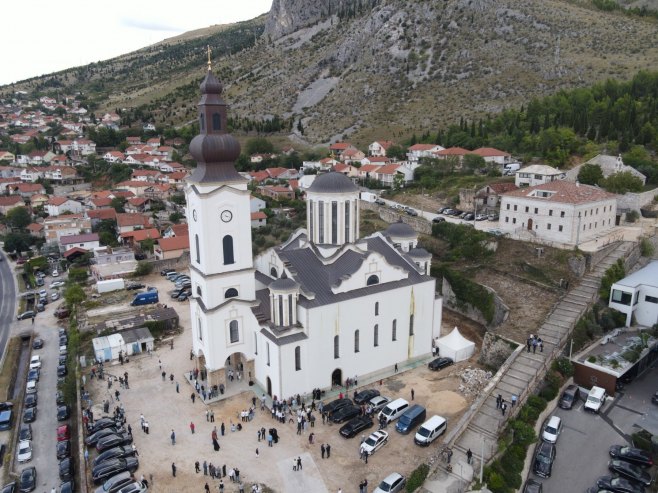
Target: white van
[[511, 168], [430, 430], [393, 410], [595, 399]]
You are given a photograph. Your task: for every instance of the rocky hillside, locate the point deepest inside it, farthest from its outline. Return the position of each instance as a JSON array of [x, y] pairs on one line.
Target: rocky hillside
[[362, 69]]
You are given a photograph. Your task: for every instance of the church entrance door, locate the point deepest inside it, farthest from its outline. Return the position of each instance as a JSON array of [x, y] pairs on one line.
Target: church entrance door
[[269, 386], [337, 377]]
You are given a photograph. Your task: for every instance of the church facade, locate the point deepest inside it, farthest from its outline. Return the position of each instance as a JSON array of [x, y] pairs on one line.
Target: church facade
[[324, 306]]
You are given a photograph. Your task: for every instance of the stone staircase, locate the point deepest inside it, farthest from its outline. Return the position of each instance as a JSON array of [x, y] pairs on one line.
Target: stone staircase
[[481, 433]]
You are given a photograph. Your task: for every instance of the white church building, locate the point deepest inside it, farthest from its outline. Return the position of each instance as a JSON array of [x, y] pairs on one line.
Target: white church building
[[324, 306]]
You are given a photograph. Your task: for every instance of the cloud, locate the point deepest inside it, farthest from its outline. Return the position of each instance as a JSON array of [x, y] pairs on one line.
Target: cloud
[[148, 25]]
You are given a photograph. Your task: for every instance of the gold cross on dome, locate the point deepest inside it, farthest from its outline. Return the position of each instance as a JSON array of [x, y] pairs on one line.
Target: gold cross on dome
[[209, 62]]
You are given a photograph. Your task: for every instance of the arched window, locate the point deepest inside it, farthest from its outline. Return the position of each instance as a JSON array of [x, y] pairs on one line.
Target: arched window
[[356, 341], [273, 272], [411, 325], [216, 122], [336, 348], [202, 122], [231, 293], [377, 308], [394, 331], [198, 290], [198, 321], [198, 250], [372, 280], [376, 335], [234, 333], [227, 244], [298, 358]]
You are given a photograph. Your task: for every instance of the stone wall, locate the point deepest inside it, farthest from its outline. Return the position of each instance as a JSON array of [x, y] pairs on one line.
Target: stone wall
[[635, 201], [501, 310], [182, 262], [389, 215]]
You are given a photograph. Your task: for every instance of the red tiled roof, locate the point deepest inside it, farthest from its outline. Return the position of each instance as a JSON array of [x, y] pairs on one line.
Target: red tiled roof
[[70, 239], [369, 168], [102, 214], [422, 147], [10, 200], [565, 192], [180, 229], [127, 219], [258, 215], [174, 243], [137, 201], [259, 175], [57, 201], [35, 227], [29, 187], [101, 202], [489, 152], [74, 250], [503, 187], [142, 234], [453, 151], [384, 143], [389, 169], [379, 159], [339, 146]]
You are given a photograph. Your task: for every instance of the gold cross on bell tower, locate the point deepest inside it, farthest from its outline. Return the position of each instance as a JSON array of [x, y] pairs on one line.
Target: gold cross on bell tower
[[209, 62]]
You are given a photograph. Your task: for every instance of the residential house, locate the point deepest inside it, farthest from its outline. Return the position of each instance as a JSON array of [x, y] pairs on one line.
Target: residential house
[[258, 219], [61, 174], [26, 190], [31, 175], [84, 147], [418, 151], [352, 156], [174, 247], [137, 204], [88, 241], [490, 195], [386, 174], [256, 204], [113, 263], [637, 296], [36, 230], [282, 173], [259, 176], [457, 153], [10, 202], [134, 238], [64, 225], [537, 174], [40, 158], [39, 200], [127, 222], [368, 171], [276, 192], [153, 142], [170, 167], [100, 203], [160, 192], [337, 148], [379, 160], [7, 156], [176, 178], [59, 205], [114, 157], [379, 148], [98, 215], [609, 165], [560, 211], [347, 170], [177, 230], [134, 186], [134, 140], [165, 153], [492, 155], [148, 175]]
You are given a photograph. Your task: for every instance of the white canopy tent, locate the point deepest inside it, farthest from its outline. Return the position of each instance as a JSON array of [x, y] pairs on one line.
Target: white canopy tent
[[455, 346]]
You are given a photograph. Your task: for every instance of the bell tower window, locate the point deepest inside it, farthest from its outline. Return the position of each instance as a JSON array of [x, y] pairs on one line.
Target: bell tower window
[[231, 293], [216, 122], [227, 244], [202, 122], [198, 249], [234, 333]]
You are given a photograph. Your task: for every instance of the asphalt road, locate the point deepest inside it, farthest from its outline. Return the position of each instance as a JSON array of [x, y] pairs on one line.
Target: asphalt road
[[7, 302], [582, 448]]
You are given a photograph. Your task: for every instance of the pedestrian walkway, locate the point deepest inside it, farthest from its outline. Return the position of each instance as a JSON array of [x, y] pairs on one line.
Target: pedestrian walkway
[[520, 377]]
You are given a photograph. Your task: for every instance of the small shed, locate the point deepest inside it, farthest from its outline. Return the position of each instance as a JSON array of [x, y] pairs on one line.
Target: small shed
[[455, 346], [125, 343], [137, 340], [107, 348]]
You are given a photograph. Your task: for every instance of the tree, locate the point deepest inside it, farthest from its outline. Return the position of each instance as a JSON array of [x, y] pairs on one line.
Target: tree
[[623, 182], [473, 162], [590, 174], [78, 274], [259, 145], [74, 295], [144, 268], [19, 218], [396, 152], [175, 217], [398, 181], [117, 204], [17, 242], [178, 198]]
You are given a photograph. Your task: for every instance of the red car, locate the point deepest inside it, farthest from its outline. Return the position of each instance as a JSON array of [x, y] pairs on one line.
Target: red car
[[63, 433]]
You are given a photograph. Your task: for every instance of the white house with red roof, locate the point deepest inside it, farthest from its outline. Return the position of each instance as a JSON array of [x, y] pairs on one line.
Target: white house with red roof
[[87, 241], [170, 167], [417, 151], [352, 156], [492, 155], [146, 175], [378, 160], [560, 211], [379, 148], [58, 205], [114, 156]]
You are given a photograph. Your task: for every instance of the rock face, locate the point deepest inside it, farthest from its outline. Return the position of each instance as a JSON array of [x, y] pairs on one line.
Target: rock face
[[287, 16]]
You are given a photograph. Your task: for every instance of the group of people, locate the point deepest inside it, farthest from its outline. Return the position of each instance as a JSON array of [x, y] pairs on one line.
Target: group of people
[[533, 342]]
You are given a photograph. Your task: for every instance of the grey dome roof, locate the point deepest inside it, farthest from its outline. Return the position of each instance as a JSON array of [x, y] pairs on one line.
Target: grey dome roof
[[419, 253], [332, 182], [284, 284], [400, 230]]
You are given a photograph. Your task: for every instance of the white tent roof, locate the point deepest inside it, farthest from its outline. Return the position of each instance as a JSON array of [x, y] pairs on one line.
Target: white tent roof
[[455, 346]]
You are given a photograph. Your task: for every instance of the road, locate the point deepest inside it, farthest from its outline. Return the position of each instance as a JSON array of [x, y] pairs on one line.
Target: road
[[7, 302], [582, 448]]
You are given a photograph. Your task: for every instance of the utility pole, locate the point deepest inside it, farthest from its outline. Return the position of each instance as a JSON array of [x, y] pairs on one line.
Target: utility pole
[[482, 463]]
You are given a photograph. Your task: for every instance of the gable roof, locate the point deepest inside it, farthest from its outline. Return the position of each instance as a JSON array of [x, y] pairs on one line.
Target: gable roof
[[142, 234], [453, 151], [490, 152], [10, 200], [128, 219], [102, 214], [564, 192], [422, 147], [70, 239], [57, 201], [174, 243], [500, 188]]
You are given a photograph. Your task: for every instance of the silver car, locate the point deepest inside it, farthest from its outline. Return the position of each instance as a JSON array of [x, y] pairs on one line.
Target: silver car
[[393, 483]]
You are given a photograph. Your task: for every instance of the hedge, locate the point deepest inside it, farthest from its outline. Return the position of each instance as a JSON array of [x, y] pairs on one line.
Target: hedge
[[417, 477]]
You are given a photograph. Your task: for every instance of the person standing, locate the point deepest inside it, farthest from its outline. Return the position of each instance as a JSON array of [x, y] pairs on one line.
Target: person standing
[[173, 469], [328, 448], [207, 488], [469, 456], [498, 399], [197, 467], [299, 463], [205, 468], [396, 369], [177, 391], [322, 450], [413, 393], [222, 429], [192, 396], [503, 407], [192, 427], [257, 453], [173, 438], [212, 416]]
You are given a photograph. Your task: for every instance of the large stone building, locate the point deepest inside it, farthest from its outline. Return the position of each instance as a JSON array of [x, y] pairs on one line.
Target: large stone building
[[320, 308]]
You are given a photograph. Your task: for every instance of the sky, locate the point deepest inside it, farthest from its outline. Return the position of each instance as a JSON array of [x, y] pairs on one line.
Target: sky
[[39, 37]]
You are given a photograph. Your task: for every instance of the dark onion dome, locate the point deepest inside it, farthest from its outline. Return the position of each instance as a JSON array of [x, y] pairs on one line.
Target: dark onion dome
[[332, 182], [284, 284], [215, 148], [400, 230], [419, 253], [211, 85]]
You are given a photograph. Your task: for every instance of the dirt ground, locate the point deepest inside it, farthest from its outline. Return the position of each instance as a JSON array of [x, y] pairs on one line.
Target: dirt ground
[[167, 410]]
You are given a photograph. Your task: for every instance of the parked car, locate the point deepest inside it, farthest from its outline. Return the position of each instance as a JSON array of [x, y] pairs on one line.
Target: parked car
[[63, 449], [66, 469], [41, 307], [345, 413], [31, 400], [134, 285], [134, 487], [59, 398], [438, 219], [100, 424], [552, 429], [26, 315], [31, 387], [164, 272], [63, 412], [544, 458], [569, 397], [25, 432], [10, 487], [439, 363], [630, 471], [37, 343], [94, 437], [33, 375], [493, 217], [374, 442], [67, 486], [356, 426], [335, 405], [365, 395], [618, 485], [183, 296], [54, 296], [30, 415], [61, 312], [35, 362], [393, 483], [115, 453], [55, 273], [56, 284], [481, 217], [110, 441], [63, 433], [28, 480], [533, 486], [24, 453], [109, 468], [469, 217], [631, 454], [115, 483], [378, 403]]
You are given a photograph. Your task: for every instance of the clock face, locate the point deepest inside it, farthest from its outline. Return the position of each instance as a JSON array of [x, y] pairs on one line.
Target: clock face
[[194, 214], [226, 216]]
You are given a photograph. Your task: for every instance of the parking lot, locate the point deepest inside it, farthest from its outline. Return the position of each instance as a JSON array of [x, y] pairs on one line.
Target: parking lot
[[582, 448]]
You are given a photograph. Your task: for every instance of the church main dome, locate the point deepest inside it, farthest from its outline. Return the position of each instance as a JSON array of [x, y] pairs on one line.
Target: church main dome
[[332, 182]]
